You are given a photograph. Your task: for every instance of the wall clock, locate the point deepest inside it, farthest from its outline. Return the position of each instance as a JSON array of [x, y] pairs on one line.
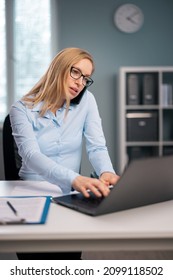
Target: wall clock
[[128, 18]]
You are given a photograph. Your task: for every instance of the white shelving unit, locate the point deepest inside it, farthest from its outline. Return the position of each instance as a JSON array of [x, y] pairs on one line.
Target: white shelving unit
[[160, 108]]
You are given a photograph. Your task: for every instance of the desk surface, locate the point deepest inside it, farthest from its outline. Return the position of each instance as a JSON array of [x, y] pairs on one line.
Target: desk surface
[[144, 228]]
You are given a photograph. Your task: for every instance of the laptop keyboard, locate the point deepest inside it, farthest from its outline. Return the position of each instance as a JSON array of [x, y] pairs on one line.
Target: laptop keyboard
[[89, 203], [79, 202]]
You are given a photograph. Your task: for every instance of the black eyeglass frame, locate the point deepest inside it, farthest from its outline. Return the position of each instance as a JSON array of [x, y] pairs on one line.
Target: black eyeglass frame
[[87, 79]]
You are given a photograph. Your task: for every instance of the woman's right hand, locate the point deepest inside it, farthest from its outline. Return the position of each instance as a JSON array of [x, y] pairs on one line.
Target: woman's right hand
[[85, 184]]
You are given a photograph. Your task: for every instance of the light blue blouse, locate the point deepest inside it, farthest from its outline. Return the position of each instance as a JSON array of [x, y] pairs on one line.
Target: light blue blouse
[[51, 146]]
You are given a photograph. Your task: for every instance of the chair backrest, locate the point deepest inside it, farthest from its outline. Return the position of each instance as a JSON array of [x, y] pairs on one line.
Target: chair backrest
[[12, 160]]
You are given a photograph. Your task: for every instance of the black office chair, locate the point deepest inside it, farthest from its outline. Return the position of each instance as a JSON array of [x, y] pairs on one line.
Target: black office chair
[[12, 160]]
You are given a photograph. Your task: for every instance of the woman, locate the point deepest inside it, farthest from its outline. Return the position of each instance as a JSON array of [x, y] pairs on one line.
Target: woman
[[50, 121], [48, 125]]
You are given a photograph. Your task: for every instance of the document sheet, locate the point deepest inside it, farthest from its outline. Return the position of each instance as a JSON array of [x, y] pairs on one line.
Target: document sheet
[[23, 209]]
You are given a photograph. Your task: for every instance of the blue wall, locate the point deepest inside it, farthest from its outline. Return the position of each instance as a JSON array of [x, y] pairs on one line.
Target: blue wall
[[89, 24]]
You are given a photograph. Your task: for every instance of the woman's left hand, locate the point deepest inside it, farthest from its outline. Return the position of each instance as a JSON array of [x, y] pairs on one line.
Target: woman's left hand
[[109, 178]]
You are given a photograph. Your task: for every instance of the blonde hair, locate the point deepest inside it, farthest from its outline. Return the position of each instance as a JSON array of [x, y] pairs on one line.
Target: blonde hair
[[52, 86]]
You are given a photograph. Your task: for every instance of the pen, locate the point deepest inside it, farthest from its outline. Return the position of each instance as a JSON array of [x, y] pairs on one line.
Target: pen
[[12, 207], [8, 222], [15, 212]]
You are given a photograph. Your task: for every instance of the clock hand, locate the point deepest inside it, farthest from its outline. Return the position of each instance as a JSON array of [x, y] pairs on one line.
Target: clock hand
[[131, 20], [134, 14], [131, 17]]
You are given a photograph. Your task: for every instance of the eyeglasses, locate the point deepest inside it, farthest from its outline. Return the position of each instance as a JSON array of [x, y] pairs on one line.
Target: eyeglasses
[[76, 74]]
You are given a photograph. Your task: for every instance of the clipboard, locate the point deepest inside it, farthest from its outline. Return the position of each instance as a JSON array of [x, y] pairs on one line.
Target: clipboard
[[24, 209]]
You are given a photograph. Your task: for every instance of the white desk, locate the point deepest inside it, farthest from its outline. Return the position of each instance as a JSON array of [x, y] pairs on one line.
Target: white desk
[[144, 228]]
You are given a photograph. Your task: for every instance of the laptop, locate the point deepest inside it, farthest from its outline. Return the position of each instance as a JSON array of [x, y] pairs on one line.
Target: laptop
[[144, 182]]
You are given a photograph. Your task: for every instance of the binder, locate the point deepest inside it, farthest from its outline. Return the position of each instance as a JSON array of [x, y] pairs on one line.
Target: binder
[[149, 89], [24, 209], [133, 90]]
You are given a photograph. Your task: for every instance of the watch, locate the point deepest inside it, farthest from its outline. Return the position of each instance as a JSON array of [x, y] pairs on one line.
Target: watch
[[128, 18]]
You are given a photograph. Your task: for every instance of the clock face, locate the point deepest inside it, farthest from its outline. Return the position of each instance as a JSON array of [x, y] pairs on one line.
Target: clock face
[[128, 18]]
